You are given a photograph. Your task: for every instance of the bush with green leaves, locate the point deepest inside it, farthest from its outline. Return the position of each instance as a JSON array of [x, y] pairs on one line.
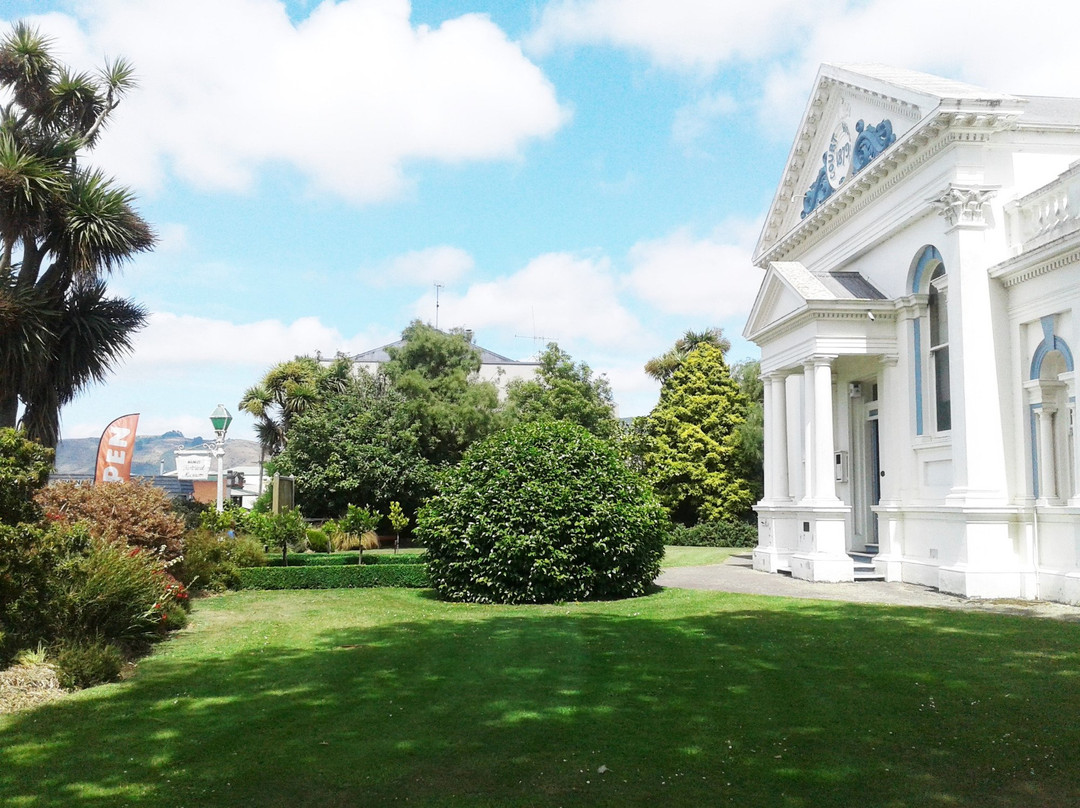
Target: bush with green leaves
[[33, 564], [335, 577], [24, 468], [543, 512], [286, 530], [318, 541], [87, 662], [212, 559], [715, 534]]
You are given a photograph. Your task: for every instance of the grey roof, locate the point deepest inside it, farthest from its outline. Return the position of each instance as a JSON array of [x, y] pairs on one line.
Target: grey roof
[[837, 285], [850, 285], [381, 355], [170, 485]]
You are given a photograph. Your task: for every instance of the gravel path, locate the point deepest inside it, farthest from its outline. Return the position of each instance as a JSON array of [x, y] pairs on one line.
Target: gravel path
[[738, 575]]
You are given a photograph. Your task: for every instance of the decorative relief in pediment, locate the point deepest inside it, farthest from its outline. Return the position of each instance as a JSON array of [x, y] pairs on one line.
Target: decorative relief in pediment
[[847, 154]]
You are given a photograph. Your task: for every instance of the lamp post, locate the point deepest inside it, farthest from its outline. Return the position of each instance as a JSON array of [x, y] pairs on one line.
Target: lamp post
[[221, 419]]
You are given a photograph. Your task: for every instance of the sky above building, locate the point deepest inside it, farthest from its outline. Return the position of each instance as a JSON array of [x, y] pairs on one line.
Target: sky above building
[[588, 172]]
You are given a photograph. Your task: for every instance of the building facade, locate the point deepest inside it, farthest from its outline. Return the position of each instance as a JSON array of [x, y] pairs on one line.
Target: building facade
[[917, 321]]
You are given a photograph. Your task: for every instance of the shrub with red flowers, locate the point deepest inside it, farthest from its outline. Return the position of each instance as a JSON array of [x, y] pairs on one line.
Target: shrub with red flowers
[[132, 513]]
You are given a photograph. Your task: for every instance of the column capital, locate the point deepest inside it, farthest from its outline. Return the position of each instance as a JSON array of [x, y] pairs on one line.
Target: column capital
[[819, 360], [964, 206], [890, 360]]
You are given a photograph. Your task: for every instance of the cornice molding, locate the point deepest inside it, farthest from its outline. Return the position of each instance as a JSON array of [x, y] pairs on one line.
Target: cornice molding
[[1017, 270]]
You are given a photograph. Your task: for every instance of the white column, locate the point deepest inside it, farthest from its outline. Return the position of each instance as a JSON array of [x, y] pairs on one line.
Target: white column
[[776, 449], [808, 423], [1044, 419], [769, 438], [795, 467], [824, 447]]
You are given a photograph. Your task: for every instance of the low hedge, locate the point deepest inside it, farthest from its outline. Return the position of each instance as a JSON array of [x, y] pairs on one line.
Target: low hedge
[[343, 559], [715, 534], [336, 577]]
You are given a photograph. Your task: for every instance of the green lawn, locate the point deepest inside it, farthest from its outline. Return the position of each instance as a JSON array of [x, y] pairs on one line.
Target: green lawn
[[378, 697], [699, 556]]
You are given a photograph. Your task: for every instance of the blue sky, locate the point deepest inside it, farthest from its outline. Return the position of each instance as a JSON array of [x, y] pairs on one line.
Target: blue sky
[[589, 171]]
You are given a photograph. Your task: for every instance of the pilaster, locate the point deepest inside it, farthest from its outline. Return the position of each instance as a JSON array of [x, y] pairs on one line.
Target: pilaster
[[978, 441]]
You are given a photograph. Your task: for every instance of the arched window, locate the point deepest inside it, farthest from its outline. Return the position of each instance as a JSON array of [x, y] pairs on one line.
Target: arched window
[[930, 333], [939, 348], [1052, 406]]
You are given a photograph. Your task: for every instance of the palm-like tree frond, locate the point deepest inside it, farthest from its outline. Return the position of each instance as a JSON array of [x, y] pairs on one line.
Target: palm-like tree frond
[[27, 67], [90, 334], [102, 229]]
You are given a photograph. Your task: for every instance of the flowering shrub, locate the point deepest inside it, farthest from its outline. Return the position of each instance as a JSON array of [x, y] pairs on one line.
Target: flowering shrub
[[117, 593], [134, 513], [539, 513]]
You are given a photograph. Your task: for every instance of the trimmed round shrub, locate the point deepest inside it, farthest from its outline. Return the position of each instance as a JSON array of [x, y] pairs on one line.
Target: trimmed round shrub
[[543, 512]]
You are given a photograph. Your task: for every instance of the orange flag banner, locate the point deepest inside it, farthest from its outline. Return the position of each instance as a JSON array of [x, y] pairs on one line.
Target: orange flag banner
[[115, 449]]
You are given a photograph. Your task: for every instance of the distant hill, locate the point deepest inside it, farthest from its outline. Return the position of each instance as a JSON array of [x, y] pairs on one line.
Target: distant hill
[[77, 455]]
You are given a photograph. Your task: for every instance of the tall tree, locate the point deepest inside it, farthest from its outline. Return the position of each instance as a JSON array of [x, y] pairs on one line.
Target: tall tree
[[288, 390], [356, 448], [564, 391], [661, 367], [449, 407], [750, 435], [63, 227], [691, 441]]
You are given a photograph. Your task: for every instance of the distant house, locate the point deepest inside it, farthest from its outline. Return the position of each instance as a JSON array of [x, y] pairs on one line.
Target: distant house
[[493, 367], [918, 318]]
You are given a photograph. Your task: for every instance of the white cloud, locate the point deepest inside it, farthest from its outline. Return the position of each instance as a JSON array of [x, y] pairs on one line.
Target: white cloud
[[683, 275], [171, 237], [172, 340], [183, 366], [689, 35], [693, 121], [347, 96], [565, 297], [443, 264]]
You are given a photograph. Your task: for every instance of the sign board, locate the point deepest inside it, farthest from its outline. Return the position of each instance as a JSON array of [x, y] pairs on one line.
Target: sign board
[[193, 465]]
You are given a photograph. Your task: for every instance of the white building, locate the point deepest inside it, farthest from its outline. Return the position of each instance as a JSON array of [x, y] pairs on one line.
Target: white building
[[493, 368], [917, 320]]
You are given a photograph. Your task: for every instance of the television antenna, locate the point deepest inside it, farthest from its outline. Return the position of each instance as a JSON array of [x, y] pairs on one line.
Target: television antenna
[[536, 338]]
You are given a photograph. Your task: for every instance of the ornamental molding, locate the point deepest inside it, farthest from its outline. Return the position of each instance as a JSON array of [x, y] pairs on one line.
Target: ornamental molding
[[893, 166], [964, 206]]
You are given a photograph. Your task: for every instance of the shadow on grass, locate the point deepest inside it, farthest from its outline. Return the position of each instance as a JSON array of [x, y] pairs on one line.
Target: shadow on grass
[[705, 699]]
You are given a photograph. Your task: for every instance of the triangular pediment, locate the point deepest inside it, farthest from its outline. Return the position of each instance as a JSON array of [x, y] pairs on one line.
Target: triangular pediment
[[855, 115], [785, 290]]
